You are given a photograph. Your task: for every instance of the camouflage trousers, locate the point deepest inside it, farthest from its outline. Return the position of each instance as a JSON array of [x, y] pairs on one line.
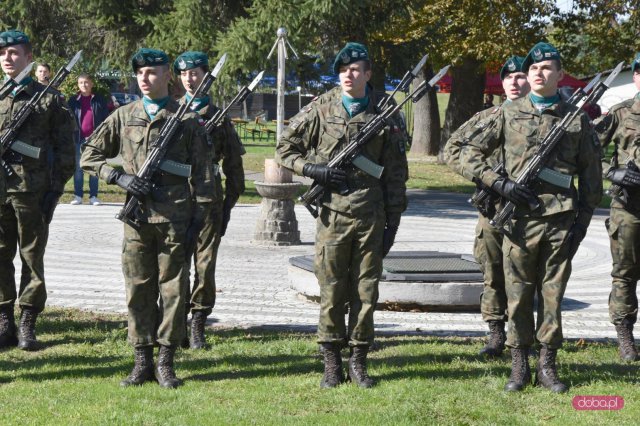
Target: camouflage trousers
[[348, 265], [624, 237], [22, 226], [203, 293], [536, 261], [155, 271], [487, 249]]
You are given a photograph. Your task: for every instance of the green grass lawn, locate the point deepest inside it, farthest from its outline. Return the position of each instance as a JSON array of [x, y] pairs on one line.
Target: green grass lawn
[[268, 377]]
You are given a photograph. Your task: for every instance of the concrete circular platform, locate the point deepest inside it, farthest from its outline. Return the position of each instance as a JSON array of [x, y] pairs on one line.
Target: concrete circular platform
[[406, 287]]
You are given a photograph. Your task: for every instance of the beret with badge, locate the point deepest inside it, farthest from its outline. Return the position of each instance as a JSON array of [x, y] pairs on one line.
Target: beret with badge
[[540, 52], [145, 57], [12, 38], [190, 60], [351, 52], [513, 64]]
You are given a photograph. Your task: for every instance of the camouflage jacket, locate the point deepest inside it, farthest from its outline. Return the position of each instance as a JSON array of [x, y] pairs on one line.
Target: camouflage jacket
[[226, 147], [50, 127], [128, 131], [321, 131], [459, 138], [622, 127], [518, 130]]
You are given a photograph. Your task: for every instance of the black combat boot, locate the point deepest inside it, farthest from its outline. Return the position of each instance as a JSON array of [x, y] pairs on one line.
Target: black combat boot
[[520, 371], [27, 330], [8, 336], [198, 320], [358, 367], [333, 375], [628, 351], [164, 369], [142, 369], [497, 337], [546, 374]]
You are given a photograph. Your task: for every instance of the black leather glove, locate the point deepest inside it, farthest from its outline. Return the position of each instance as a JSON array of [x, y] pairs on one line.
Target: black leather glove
[[518, 194], [130, 183], [624, 177], [226, 215], [388, 239], [49, 203], [325, 175], [574, 238]]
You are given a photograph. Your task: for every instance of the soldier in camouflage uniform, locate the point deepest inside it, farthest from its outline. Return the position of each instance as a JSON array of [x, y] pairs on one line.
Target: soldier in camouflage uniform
[[538, 249], [154, 256], [226, 147], [356, 228], [487, 247], [32, 192], [622, 127]]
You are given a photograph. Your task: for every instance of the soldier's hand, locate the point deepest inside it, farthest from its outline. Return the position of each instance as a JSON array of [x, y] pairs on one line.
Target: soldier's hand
[[49, 203], [130, 183], [226, 215], [574, 238], [388, 239], [518, 194], [325, 175], [625, 177]]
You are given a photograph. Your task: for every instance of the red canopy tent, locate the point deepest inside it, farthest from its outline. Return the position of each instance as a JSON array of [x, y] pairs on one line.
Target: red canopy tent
[[493, 84]]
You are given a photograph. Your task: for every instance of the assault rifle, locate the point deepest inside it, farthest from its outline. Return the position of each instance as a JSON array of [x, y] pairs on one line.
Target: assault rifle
[[350, 155], [485, 197], [9, 138], [160, 145], [11, 83], [403, 86], [217, 118], [535, 166]]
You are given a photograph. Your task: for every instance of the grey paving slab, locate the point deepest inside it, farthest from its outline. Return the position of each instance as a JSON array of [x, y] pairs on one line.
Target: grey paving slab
[[83, 269]]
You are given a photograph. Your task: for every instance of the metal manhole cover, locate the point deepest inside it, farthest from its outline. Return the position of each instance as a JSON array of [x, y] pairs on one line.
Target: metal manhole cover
[[440, 264]]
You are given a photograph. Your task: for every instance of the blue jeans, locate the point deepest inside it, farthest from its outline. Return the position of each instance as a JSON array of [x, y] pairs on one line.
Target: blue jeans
[[78, 180]]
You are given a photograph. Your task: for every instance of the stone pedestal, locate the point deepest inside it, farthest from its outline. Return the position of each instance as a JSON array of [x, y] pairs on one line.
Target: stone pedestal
[[277, 224]]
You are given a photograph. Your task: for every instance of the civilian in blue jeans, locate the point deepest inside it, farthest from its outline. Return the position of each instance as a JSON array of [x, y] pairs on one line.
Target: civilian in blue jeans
[[90, 111]]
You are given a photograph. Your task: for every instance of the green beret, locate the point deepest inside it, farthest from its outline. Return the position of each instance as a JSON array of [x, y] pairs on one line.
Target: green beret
[[351, 52], [13, 37], [190, 60], [513, 64], [635, 64], [148, 58], [540, 52]]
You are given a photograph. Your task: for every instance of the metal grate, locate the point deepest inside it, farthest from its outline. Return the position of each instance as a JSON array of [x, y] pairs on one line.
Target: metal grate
[[434, 265]]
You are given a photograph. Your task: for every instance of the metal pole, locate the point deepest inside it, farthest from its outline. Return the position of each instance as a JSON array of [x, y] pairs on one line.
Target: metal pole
[[282, 56]]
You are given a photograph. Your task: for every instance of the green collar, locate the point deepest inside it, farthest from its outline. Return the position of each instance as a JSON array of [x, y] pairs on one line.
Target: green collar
[[541, 103], [355, 106], [153, 106], [198, 103]]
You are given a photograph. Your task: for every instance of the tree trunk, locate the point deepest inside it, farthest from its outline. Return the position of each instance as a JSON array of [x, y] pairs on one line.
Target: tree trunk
[[426, 119], [467, 87]]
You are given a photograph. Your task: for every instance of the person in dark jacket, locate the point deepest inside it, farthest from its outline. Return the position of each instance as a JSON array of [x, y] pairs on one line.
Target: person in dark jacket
[[90, 110]]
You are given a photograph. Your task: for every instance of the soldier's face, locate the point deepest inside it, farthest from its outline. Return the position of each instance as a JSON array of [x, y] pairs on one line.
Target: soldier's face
[[191, 79], [85, 85], [515, 85], [544, 77], [636, 79], [14, 59], [354, 78], [42, 74], [153, 81]]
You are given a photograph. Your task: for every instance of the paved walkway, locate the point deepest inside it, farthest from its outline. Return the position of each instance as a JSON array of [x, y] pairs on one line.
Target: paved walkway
[[83, 269]]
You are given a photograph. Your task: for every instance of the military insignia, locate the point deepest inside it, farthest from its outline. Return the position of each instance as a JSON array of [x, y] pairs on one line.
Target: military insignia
[[182, 64], [201, 121], [294, 124], [401, 146], [537, 55], [344, 57], [512, 66], [140, 60], [9, 39], [152, 109], [354, 108]]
